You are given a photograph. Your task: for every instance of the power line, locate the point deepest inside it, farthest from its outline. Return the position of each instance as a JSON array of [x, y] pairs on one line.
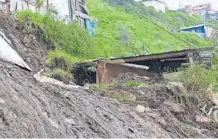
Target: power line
[[164, 29]]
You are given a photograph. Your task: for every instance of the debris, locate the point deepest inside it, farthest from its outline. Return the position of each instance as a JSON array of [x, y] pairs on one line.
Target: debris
[[135, 66], [2, 101], [41, 107], [203, 119], [150, 66], [44, 79], [9, 54], [140, 109], [70, 121], [175, 108], [124, 77]]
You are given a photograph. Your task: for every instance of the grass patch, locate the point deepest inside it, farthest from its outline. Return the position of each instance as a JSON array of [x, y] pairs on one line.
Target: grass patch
[[103, 86], [123, 96], [118, 25], [61, 59], [197, 80], [59, 74], [129, 83], [61, 54], [70, 38]]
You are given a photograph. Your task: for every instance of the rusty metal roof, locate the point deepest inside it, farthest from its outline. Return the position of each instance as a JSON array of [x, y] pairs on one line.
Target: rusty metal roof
[[162, 55], [149, 57]]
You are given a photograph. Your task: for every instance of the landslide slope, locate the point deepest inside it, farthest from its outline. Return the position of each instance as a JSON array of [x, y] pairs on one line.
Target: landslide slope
[[32, 109]]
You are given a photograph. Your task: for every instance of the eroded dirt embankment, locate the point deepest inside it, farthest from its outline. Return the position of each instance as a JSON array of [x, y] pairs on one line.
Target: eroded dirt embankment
[[32, 109]]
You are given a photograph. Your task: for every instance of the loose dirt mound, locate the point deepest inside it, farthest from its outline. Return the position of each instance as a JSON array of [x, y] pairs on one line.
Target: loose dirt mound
[[171, 107], [32, 109]]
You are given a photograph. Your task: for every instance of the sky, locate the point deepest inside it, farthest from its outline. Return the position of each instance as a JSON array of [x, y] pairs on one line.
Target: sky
[[174, 4]]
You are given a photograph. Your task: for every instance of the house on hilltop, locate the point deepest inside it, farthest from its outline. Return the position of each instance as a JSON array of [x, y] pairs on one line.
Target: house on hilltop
[[201, 30], [159, 5], [68, 10]]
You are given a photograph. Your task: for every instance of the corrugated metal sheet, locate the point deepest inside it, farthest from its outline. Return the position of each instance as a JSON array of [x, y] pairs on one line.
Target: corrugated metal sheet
[[147, 57]]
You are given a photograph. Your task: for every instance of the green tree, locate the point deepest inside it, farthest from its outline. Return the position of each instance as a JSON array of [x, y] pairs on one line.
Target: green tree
[[124, 36], [39, 4]]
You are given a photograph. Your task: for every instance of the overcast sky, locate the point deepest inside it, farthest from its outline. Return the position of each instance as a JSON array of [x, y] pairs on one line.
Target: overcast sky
[[174, 4]]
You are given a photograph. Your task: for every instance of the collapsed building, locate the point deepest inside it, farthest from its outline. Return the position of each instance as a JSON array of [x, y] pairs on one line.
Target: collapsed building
[[154, 65]]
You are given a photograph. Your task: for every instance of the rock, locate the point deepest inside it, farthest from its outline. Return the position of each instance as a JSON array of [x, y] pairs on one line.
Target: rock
[[215, 99], [174, 85], [175, 108], [140, 109], [2, 101], [214, 115], [86, 86], [210, 89], [203, 119], [70, 121], [147, 109], [178, 84]]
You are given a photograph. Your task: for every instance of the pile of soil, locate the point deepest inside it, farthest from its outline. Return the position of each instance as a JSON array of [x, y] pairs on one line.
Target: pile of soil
[[124, 77], [171, 107], [29, 108], [32, 109], [27, 45]]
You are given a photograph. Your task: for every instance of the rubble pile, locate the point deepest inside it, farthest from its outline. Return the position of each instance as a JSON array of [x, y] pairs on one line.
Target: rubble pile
[[173, 108]]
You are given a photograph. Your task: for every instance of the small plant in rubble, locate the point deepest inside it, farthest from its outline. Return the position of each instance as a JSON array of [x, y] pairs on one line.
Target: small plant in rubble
[[198, 79]]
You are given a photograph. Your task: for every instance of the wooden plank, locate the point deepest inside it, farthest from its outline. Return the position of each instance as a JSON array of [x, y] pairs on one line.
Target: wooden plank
[[118, 61], [135, 66]]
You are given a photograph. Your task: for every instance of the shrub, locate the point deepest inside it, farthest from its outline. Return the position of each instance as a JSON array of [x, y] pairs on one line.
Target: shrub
[[124, 96], [129, 83], [55, 55], [197, 80], [60, 75], [70, 38]]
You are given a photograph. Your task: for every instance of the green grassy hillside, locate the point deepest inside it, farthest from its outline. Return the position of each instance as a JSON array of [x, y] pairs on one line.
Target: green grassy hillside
[[121, 31]]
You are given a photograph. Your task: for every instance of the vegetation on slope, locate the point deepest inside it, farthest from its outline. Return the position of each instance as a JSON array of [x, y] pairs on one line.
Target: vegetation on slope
[[70, 43], [68, 39], [121, 31]]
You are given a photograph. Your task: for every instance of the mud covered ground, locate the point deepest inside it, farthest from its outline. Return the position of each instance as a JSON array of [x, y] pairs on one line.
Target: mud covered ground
[[169, 106], [32, 109]]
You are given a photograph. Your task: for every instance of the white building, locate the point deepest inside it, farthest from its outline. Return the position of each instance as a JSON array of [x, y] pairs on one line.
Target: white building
[[159, 5], [68, 10]]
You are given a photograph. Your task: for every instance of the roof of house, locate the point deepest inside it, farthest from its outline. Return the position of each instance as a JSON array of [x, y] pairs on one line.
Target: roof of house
[[196, 26], [159, 1], [148, 57]]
